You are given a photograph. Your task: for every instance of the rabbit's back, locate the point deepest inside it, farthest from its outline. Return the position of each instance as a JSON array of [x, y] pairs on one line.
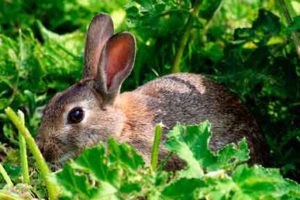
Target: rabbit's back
[[190, 99], [93, 109]]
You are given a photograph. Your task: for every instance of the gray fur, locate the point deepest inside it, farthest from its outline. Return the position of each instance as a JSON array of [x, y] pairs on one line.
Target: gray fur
[[131, 116], [190, 99]]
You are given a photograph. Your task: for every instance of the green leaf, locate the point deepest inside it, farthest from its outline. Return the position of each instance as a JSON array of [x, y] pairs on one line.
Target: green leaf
[[186, 143], [243, 34], [259, 182], [208, 8], [94, 161], [216, 188], [125, 154], [295, 26], [115, 171], [263, 29], [130, 187], [74, 183], [233, 154], [191, 144], [132, 11], [182, 189], [106, 191], [267, 23], [70, 43]]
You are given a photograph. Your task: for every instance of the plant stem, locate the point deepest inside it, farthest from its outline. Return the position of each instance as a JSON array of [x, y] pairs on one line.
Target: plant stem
[[155, 147], [294, 35], [210, 20], [23, 152], [8, 196], [41, 163], [6, 177], [183, 41]]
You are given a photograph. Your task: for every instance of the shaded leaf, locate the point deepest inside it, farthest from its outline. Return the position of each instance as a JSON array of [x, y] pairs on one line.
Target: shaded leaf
[[94, 161], [125, 154], [182, 189], [74, 184]]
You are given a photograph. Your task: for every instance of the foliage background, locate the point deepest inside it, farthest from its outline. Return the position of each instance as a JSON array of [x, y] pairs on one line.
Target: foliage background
[[244, 44]]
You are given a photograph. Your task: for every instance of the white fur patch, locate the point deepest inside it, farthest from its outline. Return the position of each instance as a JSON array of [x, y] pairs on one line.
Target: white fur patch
[[85, 107]]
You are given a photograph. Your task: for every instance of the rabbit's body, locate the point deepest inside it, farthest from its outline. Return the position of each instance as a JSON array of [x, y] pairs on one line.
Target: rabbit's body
[[93, 109], [188, 99]]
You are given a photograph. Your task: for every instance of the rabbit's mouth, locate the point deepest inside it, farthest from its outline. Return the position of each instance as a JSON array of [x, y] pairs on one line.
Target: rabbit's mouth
[[55, 151], [59, 163], [54, 167]]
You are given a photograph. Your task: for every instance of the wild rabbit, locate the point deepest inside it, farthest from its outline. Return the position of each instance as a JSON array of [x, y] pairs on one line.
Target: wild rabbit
[[93, 109]]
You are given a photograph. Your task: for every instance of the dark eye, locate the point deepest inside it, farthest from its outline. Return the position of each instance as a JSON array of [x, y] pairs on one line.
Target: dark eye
[[75, 115]]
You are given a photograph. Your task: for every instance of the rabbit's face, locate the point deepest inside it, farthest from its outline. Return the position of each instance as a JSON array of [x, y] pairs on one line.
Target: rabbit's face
[[75, 119], [85, 114]]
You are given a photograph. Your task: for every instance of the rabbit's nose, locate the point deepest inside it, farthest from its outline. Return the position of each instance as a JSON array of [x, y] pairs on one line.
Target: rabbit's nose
[[47, 155], [45, 152], [42, 147], [39, 143]]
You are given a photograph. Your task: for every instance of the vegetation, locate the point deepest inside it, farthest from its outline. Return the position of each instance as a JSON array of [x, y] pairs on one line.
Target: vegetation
[[250, 46]]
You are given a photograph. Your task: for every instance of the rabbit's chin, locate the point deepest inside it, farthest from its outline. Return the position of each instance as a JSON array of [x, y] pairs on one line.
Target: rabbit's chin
[[55, 166], [59, 163]]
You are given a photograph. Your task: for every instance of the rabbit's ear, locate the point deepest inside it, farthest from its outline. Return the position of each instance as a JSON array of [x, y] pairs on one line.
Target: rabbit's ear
[[115, 65], [100, 30]]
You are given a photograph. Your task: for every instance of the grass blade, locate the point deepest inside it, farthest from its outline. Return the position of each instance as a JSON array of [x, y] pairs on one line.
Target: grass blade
[[41, 163], [7, 196], [23, 152], [155, 147], [5, 176]]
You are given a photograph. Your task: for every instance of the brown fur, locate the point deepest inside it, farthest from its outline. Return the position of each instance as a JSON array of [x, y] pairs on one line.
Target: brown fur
[[193, 100], [131, 116]]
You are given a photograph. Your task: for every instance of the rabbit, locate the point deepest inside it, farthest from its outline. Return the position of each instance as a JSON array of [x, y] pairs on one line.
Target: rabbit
[[93, 109]]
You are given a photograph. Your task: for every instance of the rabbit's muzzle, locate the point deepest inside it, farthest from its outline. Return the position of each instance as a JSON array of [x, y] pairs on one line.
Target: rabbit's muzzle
[[49, 148]]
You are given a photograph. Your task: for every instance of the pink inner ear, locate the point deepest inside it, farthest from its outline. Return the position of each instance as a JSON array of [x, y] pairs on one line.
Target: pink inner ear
[[118, 56]]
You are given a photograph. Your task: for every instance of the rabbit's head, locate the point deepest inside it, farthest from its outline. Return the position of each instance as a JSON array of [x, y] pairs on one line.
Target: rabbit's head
[[84, 114]]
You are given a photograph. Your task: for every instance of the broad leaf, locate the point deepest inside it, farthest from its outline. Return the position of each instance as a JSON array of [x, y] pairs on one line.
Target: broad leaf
[[95, 161], [74, 184], [125, 154], [191, 144]]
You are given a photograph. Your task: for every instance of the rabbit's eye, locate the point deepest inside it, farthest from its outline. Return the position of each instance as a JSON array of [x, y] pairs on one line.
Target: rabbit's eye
[[75, 115]]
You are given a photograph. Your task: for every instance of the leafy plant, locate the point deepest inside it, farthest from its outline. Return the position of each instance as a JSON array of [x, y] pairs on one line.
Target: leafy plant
[[119, 172], [254, 56], [248, 45]]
